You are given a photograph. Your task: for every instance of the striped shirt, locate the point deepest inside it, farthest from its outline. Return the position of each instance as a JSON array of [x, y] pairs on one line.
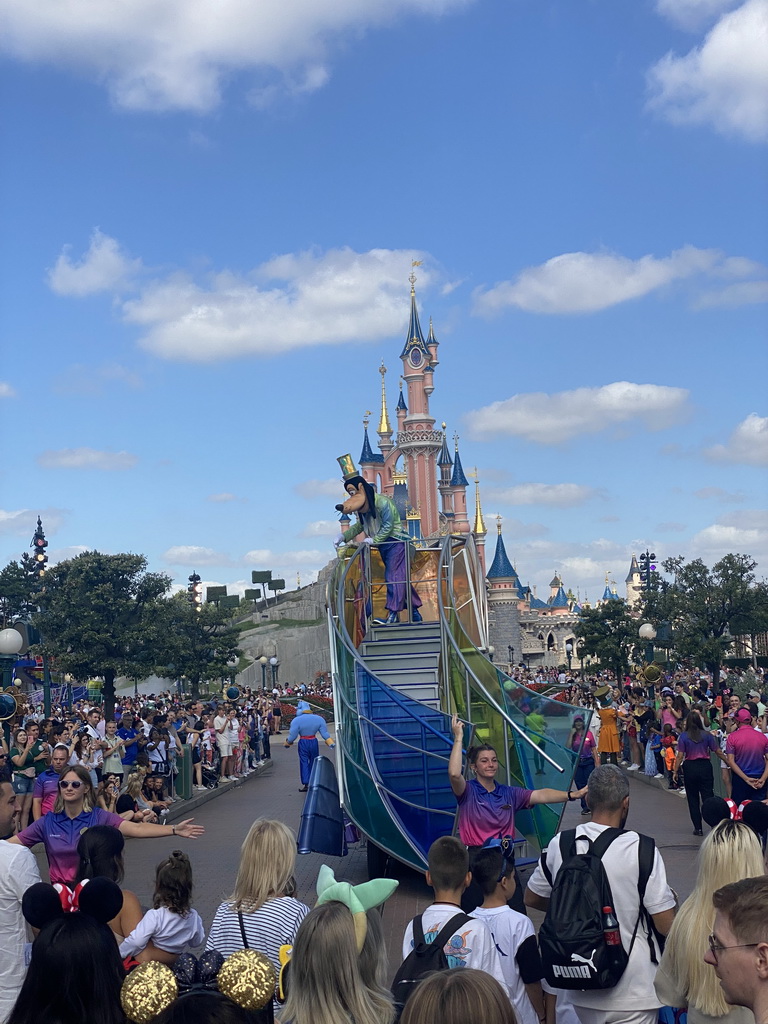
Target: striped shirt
[[273, 925]]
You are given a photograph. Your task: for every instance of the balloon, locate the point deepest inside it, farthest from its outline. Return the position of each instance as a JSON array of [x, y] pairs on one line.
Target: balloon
[[233, 693]]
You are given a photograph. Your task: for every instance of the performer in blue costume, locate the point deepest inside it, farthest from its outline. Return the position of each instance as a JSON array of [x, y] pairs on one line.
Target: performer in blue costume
[[304, 728]]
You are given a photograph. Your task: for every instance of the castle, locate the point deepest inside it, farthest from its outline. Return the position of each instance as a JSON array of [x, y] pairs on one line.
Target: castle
[[415, 466]]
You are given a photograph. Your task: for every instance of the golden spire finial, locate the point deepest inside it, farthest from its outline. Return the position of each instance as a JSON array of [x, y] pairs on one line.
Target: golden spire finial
[[498, 525], [606, 579], [366, 418], [384, 425], [479, 529], [412, 278], [456, 441]]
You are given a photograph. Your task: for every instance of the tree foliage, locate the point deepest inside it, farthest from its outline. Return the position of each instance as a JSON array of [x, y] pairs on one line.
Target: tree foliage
[[707, 607], [608, 633], [200, 645], [97, 612], [14, 593]]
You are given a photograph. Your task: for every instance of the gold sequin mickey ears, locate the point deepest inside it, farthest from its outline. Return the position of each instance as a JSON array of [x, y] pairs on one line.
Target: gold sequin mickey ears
[[147, 991], [246, 977]]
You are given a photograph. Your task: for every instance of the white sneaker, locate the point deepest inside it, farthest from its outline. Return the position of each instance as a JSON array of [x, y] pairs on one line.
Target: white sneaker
[[624, 762], [633, 768], [259, 764], [681, 792], [658, 775], [200, 787]]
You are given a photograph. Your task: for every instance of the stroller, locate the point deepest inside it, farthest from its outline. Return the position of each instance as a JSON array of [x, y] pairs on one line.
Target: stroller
[[210, 772]]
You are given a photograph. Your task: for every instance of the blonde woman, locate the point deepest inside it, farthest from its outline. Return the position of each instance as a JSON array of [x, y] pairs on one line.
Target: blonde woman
[[729, 853], [325, 982], [262, 913]]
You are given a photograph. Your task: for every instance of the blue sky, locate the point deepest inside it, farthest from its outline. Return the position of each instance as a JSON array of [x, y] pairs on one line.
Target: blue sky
[[210, 213]]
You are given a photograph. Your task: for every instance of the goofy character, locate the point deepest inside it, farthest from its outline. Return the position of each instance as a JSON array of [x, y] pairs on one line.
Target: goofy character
[[305, 727], [379, 519]]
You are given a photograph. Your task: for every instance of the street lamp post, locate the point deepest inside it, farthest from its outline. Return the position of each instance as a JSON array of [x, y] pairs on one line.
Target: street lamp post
[[647, 632], [273, 663], [11, 642], [569, 654], [511, 653], [264, 661], [491, 652]]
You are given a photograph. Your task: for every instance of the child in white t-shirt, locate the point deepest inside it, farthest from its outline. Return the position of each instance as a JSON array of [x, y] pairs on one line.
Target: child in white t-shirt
[[513, 934], [472, 944], [172, 924]]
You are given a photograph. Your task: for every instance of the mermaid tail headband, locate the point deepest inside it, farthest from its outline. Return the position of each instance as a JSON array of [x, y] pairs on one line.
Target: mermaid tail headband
[[358, 899]]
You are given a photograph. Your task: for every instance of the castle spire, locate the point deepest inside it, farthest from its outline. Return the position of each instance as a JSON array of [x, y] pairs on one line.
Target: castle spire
[[368, 455], [458, 479], [415, 339], [384, 425], [479, 528]]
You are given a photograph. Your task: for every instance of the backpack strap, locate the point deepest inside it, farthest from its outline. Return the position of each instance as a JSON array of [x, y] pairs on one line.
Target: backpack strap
[[604, 840], [646, 855], [442, 936]]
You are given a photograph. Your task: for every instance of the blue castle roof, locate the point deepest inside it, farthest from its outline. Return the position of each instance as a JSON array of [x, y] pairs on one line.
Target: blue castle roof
[[415, 338], [560, 600], [444, 458], [401, 403], [368, 454], [501, 567], [458, 479]]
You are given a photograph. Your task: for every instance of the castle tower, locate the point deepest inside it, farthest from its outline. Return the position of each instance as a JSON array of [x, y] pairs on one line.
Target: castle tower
[[634, 584], [445, 462], [417, 440], [459, 484], [504, 597], [371, 462]]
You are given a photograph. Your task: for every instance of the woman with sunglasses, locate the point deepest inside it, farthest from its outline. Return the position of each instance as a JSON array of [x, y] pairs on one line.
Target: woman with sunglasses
[[74, 811]]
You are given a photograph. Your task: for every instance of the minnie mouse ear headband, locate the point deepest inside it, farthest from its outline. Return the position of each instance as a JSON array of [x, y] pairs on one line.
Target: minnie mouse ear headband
[[246, 977], [99, 899], [356, 898], [753, 813]]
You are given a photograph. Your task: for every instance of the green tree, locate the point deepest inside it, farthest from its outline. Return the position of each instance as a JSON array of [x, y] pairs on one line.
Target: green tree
[[608, 633], [706, 607], [14, 593], [199, 644], [754, 619], [96, 611]]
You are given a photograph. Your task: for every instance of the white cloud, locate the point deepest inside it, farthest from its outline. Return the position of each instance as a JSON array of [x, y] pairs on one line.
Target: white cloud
[[104, 267], [178, 53], [192, 555], [93, 380], [747, 445], [292, 301], [264, 558], [583, 282], [321, 489], [724, 81], [718, 494], [746, 519], [559, 417], [713, 542], [745, 293], [559, 495], [6, 391], [23, 522], [321, 528], [693, 14], [86, 458], [221, 499]]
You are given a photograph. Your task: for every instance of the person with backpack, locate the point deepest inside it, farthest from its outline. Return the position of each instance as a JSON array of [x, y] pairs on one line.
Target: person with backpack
[[605, 894], [443, 937]]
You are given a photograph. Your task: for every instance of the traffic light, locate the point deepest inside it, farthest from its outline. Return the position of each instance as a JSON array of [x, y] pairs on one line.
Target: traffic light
[[647, 569], [39, 557], [195, 592]]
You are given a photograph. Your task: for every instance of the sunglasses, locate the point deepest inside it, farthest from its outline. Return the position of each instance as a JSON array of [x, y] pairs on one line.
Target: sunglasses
[[715, 946], [68, 785]]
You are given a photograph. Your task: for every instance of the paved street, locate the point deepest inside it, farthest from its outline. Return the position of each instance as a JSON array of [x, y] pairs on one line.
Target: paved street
[[275, 794]]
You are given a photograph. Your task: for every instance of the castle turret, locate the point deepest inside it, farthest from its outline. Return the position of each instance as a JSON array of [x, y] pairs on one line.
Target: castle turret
[[459, 484], [634, 584], [504, 597], [445, 463], [417, 439]]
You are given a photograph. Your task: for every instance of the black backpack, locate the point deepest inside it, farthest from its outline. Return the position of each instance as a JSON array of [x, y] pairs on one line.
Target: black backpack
[[572, 942], [424, 958]]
